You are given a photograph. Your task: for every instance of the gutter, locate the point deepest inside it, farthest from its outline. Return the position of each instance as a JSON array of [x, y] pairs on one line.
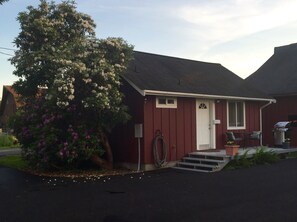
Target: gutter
[[195, 95], [261, 125]]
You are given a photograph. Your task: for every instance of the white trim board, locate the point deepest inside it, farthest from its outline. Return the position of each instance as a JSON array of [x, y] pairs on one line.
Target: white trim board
[[191, 95]]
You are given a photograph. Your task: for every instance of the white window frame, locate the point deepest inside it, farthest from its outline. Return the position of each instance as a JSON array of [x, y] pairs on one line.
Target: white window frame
[[244, 116], [167, 105]]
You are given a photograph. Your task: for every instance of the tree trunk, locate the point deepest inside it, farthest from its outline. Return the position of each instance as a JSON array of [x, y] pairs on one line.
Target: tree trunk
[[96, 159]]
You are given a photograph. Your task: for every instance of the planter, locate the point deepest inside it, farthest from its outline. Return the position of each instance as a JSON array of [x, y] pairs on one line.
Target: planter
[[231, 150], [286, 145]]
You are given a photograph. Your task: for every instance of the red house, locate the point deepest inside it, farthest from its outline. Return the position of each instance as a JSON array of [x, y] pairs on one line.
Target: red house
[[191, 104], [278, 78], [8, 106]]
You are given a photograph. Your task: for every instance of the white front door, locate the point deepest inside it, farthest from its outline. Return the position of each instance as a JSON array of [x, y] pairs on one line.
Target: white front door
[[203, 109]]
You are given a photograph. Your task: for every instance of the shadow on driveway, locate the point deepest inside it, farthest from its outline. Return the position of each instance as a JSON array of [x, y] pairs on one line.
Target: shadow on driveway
[[261, 193]]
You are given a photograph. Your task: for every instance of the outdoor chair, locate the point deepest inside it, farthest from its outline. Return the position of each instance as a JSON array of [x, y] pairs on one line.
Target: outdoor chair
[[231, 137], [255, 135]]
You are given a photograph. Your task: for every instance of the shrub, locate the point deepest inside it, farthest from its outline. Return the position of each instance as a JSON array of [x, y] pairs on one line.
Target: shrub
[[240, 161], [7, 140], [51, 139], [262, 156], [70, 83]]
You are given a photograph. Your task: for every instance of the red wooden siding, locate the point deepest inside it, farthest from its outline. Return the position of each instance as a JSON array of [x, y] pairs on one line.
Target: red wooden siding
[[221, 114], [178, 127], [8, 108], [252, 112], [279, 111], [122, 140]]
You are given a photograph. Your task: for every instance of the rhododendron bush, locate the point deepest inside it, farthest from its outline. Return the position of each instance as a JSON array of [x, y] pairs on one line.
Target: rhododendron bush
[[69, 82]]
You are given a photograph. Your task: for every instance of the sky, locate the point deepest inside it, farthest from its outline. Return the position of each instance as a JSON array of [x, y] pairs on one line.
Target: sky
[[239, 34]]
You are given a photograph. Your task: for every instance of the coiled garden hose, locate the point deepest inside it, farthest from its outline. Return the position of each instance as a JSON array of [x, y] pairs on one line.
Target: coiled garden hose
[[159, 162]]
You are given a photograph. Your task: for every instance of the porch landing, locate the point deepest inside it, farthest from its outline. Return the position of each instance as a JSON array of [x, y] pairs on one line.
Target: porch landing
[[215, 160], [251, 151]]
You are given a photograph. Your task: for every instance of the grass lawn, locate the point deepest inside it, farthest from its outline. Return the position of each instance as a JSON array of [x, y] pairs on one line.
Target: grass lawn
[[17, 162], [14, 162], [292, 155], [9, 147]]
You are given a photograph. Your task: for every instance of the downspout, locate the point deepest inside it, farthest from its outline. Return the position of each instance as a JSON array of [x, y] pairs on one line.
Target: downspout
[[261, 127]]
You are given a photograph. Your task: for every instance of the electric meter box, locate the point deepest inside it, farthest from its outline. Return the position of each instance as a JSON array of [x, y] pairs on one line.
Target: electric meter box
[[138, 130]]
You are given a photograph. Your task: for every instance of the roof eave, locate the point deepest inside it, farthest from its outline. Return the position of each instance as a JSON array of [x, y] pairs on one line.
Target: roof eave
[[134, 86], [192, 95], [195, 95], [283, 94]]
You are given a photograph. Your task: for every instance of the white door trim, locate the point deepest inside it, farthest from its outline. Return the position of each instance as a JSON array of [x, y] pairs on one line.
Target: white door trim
[[212, 124], [212, 139]]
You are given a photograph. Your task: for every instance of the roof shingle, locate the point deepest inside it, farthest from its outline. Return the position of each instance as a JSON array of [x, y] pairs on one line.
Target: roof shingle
[[169, 74], [278, 75]]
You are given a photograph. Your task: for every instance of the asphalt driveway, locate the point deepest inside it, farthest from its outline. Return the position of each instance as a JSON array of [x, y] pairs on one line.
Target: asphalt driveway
[[262, 193]]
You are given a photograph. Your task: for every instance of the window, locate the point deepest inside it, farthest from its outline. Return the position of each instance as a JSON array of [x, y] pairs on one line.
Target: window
[[166, 102], [236, 115], [202, 106], [162, 101]]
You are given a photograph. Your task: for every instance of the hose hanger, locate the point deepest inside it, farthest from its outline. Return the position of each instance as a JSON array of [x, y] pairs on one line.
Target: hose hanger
[[159, 162]]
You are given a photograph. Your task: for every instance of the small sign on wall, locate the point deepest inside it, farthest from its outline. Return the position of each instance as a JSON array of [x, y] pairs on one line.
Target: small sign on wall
[[216, 121]]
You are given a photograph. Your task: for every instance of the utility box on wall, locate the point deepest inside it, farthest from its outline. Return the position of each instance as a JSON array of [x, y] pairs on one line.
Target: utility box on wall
[[138, 130], [138, 135]]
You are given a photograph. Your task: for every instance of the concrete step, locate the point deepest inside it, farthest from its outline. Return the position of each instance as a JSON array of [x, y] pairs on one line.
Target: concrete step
[[204, 156], [194, 159], [189, 169], [202, 163], [196, 165]]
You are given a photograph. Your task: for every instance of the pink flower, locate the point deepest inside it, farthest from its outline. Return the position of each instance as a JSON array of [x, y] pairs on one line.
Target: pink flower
[[74, 136], [70, 128]]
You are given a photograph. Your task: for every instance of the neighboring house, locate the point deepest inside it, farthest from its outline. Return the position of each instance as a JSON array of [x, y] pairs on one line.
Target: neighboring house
[[191, 103], [8, 106], [278, 78]]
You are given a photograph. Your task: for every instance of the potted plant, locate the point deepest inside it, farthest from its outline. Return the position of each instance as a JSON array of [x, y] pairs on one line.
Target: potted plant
[[286, 143], [231, 148]]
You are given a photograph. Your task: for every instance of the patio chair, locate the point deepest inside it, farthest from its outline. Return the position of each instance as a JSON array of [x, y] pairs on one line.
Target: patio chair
[[255, 135], [231, 137]]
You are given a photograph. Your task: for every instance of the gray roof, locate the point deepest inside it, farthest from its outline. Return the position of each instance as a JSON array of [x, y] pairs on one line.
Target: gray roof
[[169, 74], [278, 75]]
